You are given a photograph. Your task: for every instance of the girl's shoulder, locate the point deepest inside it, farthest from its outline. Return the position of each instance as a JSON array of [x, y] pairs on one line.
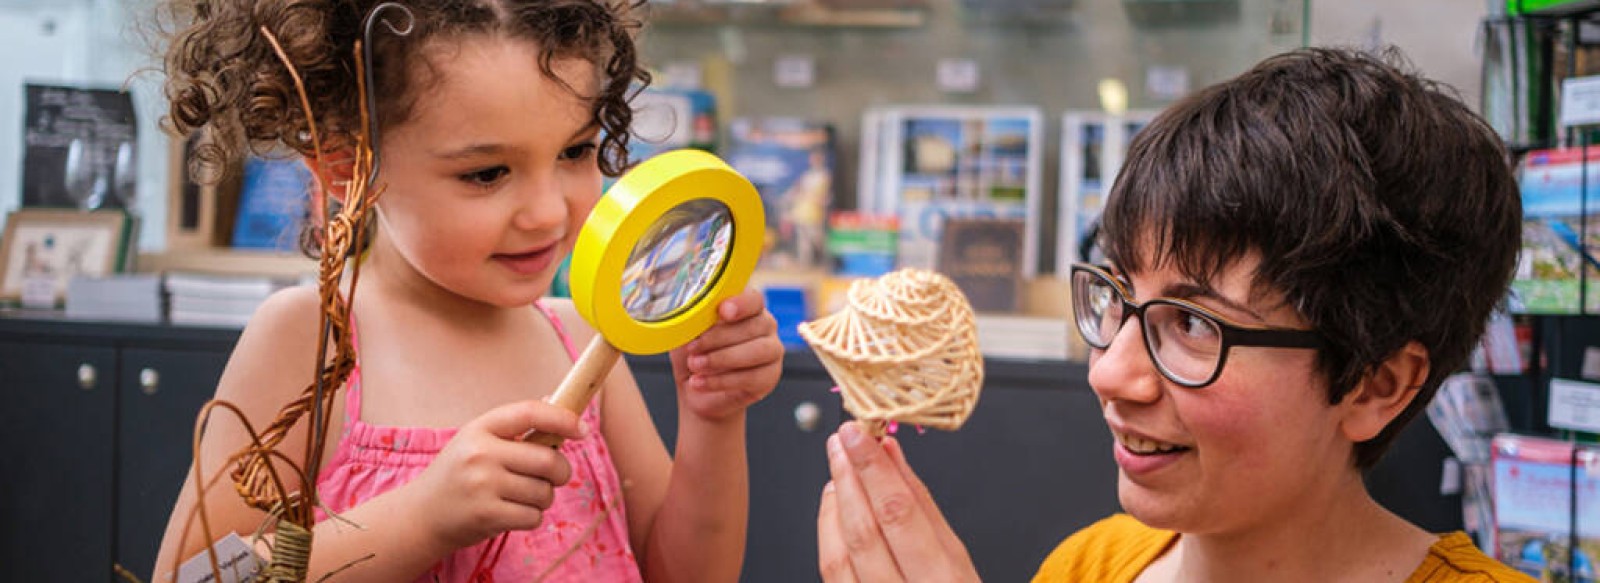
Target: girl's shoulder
[[280, 336]]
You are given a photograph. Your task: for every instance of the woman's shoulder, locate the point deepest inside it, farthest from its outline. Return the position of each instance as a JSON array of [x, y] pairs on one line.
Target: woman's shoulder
[[1114, 549], [1455, 559]]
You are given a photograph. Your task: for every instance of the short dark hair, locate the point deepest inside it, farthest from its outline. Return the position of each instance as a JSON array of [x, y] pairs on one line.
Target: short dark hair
[[1381, 207]]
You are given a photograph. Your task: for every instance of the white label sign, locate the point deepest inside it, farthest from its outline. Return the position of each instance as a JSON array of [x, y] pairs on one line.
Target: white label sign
[[1580, 101], [958, 75], [1574, 405], [794, 71]]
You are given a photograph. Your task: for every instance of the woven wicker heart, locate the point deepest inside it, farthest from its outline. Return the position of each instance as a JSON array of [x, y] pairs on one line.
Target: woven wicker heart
[[905, 349]]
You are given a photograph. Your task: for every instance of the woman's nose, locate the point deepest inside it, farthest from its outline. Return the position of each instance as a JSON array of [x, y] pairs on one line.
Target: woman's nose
[[1123, 370]]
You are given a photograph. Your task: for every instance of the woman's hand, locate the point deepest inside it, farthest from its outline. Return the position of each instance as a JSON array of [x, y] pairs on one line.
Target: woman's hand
[[877, 521], [734, 363], [487, 480]]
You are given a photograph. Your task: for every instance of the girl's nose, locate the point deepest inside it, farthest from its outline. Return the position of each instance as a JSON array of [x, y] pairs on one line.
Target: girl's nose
[[541, 204], [1124, 371]]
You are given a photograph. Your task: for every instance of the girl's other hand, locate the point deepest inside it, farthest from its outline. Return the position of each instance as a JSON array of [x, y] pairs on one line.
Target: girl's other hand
[[487, 480], [733, 364]]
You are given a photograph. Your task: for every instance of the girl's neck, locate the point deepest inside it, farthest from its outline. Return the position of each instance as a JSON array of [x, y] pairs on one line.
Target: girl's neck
[[1335, 533], [387, 274]]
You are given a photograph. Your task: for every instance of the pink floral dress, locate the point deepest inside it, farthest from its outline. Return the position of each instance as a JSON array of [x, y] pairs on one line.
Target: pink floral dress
[[584, 535]]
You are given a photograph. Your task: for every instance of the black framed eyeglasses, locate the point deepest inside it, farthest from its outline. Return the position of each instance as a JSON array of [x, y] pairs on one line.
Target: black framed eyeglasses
[[1188, 343]]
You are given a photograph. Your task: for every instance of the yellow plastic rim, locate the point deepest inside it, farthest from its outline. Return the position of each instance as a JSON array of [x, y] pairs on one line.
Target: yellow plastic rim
[[626, 212]]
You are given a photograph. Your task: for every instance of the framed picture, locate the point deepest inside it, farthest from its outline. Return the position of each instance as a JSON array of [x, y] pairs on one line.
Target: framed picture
[[56, 244]]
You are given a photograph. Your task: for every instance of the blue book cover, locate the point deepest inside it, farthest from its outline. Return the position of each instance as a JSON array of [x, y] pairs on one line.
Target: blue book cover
[[1558, 272], [272, 204], [791, 163]]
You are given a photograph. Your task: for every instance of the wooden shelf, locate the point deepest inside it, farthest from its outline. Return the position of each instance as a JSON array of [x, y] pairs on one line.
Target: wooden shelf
[[229, 262], [793, 15]]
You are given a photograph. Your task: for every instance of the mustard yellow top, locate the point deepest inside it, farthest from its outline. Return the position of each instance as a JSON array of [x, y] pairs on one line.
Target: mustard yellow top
[[1117, 549]]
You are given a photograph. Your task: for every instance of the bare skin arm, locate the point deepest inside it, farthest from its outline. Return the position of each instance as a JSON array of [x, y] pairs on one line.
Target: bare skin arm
[[687, 516], [405, 530]]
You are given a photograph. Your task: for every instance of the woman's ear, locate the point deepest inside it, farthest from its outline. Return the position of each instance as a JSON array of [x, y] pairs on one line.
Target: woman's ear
[[333, 173], [1384, 392]]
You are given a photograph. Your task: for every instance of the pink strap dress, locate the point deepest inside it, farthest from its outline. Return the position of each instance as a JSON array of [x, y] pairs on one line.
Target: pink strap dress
[[584, 535]]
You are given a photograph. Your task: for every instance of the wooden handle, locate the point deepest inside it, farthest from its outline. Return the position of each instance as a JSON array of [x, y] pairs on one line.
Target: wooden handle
[[582, 382]]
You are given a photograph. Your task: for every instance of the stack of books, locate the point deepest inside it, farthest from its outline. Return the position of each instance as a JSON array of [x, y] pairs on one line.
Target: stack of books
[[218, 300], [124, 298]]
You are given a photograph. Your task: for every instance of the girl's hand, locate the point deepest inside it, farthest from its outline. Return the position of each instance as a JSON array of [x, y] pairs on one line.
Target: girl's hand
[[733, 364], [487, 480], [877, 521]]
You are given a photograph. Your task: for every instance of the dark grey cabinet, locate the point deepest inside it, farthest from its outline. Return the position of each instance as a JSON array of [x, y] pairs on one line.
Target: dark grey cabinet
[[98, 418], [56, 483], [788, 466], [97, 431]]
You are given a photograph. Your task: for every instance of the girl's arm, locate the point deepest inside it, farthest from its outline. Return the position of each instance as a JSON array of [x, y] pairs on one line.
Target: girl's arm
[[456, 502], [269, 367], [688, 514]]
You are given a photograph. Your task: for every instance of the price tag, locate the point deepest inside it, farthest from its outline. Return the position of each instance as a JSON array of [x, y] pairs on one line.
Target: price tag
[[39, 291]]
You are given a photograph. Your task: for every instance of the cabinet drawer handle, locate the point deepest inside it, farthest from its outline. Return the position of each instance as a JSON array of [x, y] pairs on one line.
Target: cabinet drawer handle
[[806, 416], [149, 380], [86, 376]]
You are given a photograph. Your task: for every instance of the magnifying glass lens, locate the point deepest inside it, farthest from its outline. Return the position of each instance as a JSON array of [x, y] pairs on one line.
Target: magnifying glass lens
[[675, 262]]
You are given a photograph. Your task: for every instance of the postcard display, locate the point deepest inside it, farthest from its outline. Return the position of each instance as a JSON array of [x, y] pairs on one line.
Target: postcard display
[[924, 165], [1543, 488], [1558, 272], [1093, 146]]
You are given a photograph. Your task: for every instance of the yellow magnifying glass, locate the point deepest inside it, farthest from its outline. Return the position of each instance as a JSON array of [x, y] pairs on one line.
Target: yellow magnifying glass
[[667, 243]]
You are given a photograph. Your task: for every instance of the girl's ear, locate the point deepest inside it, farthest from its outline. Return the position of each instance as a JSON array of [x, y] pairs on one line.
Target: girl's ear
[[1383, 393], [332, 174]]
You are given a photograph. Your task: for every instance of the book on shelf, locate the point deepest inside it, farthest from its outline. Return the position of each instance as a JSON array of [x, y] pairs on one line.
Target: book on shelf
[[227, 300], [273, 199], [1559, 259], [121, 297], [1536, 502], [929, 164], [1023, 337], [791, 163], [984, 258]]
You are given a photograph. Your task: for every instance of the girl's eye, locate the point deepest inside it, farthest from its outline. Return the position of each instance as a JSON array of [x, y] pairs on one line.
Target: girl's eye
[[485, 177], [578, 152]]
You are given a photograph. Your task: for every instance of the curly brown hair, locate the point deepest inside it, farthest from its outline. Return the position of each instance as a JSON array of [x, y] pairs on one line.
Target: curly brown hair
[[224, 76]]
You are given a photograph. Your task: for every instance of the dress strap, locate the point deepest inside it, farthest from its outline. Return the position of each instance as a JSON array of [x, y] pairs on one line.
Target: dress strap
[[572, 351], [352, 385]]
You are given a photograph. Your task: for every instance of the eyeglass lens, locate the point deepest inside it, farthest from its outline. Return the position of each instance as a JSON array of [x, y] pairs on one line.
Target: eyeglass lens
[[1186, 345]]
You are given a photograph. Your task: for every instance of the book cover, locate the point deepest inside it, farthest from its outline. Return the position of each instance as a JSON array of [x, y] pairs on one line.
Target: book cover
[[984, 258], [936, 163], [862, 244], [1534, 497], [80, 147], [791, 163], [272, 203], [1558, 263]]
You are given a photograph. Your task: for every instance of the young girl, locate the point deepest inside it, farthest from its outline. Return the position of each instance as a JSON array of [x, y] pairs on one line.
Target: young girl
[[1298, 258], [498, 118]]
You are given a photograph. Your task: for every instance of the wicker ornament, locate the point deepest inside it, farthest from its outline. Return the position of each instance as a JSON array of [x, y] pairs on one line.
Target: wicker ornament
[[904, 350]]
